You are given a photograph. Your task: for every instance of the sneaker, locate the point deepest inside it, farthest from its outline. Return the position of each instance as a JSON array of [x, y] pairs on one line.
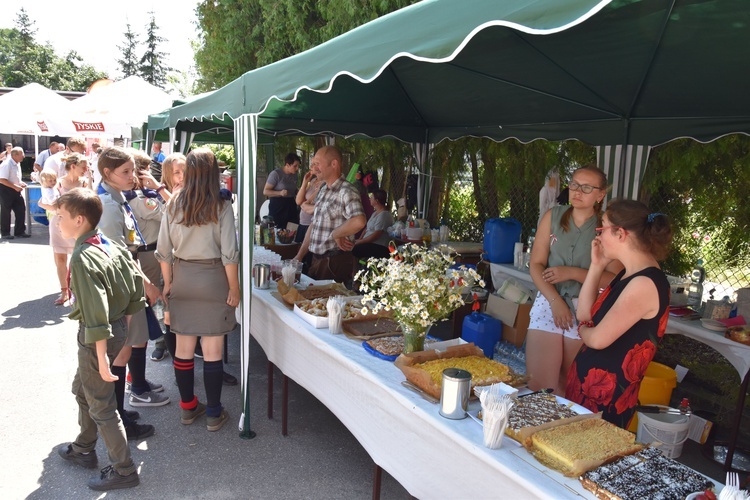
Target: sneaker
[[132, 415], [110, 479], [216, 423], [128, 383], [187, 417], [8, 237], [148, 398], [86, 460], [139, 431], [198, 350], [229, 379], [152, 386], [158, 354]]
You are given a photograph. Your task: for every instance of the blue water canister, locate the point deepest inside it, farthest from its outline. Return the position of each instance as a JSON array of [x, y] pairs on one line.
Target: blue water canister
[[483, 330], [500, 236]]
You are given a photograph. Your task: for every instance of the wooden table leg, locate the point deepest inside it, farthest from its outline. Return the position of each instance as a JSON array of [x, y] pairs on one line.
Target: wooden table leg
[[284, 404], [377, 476], [270, 390]]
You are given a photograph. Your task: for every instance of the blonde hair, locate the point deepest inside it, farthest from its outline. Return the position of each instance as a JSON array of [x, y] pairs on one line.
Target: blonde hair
[[74, 159], [167, 170], [47, 175], [76, 141]]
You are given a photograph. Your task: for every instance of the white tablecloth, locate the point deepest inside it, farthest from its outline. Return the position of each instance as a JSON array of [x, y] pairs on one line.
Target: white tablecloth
[[432, 457], [737, 354]]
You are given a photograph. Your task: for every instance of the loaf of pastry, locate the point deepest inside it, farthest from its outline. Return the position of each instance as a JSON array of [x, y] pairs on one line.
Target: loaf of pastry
[[580, 446]]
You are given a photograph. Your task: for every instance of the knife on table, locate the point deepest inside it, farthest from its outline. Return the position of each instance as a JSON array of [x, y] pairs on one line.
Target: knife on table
[[659, 409], [419, 391]]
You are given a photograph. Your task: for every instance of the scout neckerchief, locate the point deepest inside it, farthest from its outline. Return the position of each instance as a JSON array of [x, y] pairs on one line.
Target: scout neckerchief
[[129, 212], [97, 241]]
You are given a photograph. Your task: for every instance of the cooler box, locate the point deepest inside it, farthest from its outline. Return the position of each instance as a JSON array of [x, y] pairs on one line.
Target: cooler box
[[500, 236], [38, 214], [483, 330]]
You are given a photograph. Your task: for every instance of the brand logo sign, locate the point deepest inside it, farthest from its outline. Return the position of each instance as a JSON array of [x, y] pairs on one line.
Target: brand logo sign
[[42, 126], [89, 127]]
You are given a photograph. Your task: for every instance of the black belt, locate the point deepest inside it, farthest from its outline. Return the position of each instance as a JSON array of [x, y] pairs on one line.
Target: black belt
[[146, 248]]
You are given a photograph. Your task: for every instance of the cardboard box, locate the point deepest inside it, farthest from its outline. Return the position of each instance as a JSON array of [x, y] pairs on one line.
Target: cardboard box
[[515, 318], [699, 429]]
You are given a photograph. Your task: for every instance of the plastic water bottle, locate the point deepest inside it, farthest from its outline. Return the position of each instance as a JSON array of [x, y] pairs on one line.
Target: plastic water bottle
[[695, 291], [529, 244]]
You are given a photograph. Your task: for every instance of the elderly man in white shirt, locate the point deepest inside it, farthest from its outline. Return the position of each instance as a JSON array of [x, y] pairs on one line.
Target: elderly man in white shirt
[[11, 200]]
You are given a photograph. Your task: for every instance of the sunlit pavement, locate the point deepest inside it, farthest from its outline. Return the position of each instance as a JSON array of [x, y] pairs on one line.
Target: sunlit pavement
[[318, 459]]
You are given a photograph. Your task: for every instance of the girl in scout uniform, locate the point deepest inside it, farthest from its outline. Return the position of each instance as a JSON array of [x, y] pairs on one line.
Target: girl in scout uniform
[[199, 254], [118, 224]]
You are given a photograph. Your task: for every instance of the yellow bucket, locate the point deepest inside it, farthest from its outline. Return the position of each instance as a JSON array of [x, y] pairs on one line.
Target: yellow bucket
[[656, 388]]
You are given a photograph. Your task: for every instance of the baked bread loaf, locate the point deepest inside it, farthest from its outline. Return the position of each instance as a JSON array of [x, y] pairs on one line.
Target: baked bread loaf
[[580, 446], [645, 474]]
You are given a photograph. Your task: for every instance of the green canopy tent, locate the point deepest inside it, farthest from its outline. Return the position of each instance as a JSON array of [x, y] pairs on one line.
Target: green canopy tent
[[622, 74]]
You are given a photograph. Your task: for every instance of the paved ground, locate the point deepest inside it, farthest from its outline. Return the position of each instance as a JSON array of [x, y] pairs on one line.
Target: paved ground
[[318, 459]]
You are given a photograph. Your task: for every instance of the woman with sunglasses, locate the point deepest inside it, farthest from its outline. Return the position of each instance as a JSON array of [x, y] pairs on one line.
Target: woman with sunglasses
[[560, 259], [622, 326]]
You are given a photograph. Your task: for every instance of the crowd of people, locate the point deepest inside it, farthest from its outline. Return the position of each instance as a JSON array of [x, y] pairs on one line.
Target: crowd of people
[[122, 245], [598, 317]]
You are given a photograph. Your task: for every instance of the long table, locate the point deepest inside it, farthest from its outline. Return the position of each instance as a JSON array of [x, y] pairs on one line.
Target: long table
[[427, 454]]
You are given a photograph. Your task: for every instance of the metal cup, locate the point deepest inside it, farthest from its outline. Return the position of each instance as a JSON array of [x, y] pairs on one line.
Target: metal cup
[[454, 395], [261, 276]]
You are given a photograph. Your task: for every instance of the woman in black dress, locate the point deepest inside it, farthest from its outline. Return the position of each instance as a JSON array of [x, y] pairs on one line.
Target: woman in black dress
[[622, 326]]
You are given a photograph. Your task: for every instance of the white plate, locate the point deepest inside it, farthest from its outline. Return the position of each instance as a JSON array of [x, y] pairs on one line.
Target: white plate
[[712, 324]]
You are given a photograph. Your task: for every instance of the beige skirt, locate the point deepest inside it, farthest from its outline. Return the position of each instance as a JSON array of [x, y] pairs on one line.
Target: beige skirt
[[198, 299]]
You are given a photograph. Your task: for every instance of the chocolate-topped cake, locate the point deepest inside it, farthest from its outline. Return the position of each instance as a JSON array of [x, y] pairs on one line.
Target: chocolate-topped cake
[[646, 474]]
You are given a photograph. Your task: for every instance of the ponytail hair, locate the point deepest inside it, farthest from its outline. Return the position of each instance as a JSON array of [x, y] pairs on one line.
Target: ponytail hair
[[589, 167], [652, 230]]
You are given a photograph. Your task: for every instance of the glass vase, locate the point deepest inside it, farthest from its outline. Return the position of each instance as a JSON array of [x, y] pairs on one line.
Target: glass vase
[[413, 338]]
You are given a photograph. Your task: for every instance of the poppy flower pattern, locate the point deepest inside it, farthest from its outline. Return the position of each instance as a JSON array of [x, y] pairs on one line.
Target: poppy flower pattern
[[608, 380]]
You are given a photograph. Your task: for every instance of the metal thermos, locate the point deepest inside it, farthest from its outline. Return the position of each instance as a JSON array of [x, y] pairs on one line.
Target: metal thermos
[[261, 276], [454, 396]]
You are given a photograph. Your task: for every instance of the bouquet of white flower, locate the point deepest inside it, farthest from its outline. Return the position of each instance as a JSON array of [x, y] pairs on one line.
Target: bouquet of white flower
[[417, 284]]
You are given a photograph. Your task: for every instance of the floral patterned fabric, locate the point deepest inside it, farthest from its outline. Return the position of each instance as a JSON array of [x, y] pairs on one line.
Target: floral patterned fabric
[[608, 379]]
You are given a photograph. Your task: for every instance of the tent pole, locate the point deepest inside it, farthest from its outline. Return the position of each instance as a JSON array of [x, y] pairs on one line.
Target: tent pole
[[246, 147]]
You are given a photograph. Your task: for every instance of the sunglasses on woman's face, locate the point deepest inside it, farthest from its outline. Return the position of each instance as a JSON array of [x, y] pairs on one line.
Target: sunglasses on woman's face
[[586, 188]]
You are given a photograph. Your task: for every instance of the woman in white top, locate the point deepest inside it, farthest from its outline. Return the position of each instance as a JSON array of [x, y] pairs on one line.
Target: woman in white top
[[198, 252], [77, 174]]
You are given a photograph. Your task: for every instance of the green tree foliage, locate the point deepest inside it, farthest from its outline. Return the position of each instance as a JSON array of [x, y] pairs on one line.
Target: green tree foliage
[[23, 61], [237, 36], [703, 188], [152, 67], [129, 62]]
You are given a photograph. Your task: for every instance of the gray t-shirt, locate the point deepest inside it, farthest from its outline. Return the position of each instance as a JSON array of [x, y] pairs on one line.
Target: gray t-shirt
[[380, 221], [280, 181]]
